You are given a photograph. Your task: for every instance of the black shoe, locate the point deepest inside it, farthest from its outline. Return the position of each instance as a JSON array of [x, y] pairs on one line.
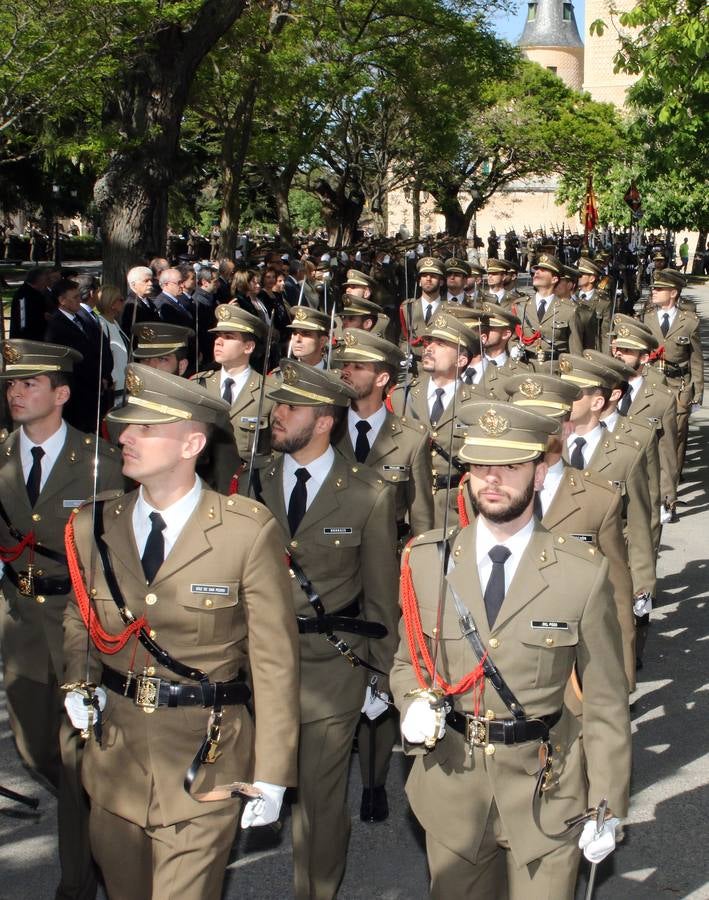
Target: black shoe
[[673, 517], [375, 807]]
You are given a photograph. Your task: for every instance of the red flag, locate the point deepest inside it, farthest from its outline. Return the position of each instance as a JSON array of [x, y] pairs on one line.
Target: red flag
[[591, 214]]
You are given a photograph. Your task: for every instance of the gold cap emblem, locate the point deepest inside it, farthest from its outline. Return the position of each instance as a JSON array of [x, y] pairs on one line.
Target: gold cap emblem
[[147, 334], [440, 322], [11, 354], [346, 302], [290, 376], [487, 308], [623, 331], [530, 389], [350, 339], [133, 383], [493, 423], [222, 312], [565, 367], [301, 314]]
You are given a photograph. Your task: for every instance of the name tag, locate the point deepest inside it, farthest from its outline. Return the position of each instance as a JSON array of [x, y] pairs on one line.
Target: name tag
[[396, 468], [682, 339], [251, 420], [344, 529], [222, 589], [562, 626], [586, 538], [71, 504]]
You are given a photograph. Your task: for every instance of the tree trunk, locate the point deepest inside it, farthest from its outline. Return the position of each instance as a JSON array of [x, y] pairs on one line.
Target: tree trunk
[[699, 251], [416, 210], [146, 108], [449, 204], [235, 145], [285, 228]]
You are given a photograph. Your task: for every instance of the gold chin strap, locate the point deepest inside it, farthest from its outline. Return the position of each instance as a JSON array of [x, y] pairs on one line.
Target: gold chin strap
[[158, 407]]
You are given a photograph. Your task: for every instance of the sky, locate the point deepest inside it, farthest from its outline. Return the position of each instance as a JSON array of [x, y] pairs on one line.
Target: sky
[[510, 24]]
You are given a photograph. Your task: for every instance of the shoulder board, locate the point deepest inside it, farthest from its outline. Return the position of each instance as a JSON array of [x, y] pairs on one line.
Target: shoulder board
[[207, 373], [106, 496], [367, 475], [245, 506], [4, 435], [411, 425], [578, 549], [434, 536], [593, 481]]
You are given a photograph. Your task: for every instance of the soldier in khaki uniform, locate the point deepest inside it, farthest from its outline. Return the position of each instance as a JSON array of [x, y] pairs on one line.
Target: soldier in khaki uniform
[[498, 272], [550, 326], [238, 335], [162, 345], [309, 330], [677, 332], [457, 273], [416, 313], [342, 544], [475, 771], [363, 314], [589, 446], [596, 300], [449, 345], [655, 403], [46, 469], [210, 612], [399, 452]]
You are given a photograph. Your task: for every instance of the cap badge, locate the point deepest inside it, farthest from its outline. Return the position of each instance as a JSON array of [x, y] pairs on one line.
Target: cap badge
[[301, 314], [486, 308], [133, 383], [623, 331], [222, 312], [148, 335], [565, 366], [493, 423], [346, 302], [440, 322], [350, 339], [290, 376], [11, 354], [530, 389]]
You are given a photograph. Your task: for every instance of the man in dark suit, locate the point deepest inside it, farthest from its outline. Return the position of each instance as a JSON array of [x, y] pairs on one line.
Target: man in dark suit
[[92, 376], [167, 302], [138, 306], [29, 306], [204, 303], [223, 292]]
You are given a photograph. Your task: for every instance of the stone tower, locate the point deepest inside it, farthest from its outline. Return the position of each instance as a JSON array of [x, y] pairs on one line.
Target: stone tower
[[551, 38], [599, 79]]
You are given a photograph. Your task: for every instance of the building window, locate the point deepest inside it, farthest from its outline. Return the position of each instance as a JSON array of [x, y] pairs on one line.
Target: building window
[[532, 12], [567, 12], [552, 69]]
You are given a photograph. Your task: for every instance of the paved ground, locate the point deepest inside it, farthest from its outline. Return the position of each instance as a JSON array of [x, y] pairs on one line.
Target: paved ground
[[664, 855]]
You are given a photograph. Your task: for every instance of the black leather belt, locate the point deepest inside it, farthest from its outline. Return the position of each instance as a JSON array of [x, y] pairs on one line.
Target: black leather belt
[[676, 370], [480, 731], [440, 482], [152, 692], [342, 620], [42, 585]]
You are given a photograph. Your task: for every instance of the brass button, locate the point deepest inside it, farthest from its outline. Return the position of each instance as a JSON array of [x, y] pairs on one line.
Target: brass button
[[434, 434], [337, 543], [153, 633], [549, 641], [36, 517], [209, 602], [558, 748], [489, 714], [489, 750], [394, 477], [151, 599], [40, 599], [150, 671], [294, 544], [148, 709], [494, 643]]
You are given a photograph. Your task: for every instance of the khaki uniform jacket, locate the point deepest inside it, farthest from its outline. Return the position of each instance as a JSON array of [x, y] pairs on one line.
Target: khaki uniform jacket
[[411, 318], [401, 456], [560, 327], [624, 467], [227, 456], [450, 790], [656, 404], [598, 310], [417, 410], [230, 543], [32, 635], [682, 348], [637, 434], [346, 545], [492, 384]]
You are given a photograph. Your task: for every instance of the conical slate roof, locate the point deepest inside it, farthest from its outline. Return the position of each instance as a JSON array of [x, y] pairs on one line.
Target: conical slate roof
[[548, 28]]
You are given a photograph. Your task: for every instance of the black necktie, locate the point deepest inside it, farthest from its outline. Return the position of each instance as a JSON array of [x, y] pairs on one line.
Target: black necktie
[[469, 375], [495, 590], [77, 321], [427, 314], [298, 500], [226, 390], [624, 404], [538, 508], [154, 553], [665, 327], [437, 409], [577, 456], [362, 447], [541, 309], [34, 479]]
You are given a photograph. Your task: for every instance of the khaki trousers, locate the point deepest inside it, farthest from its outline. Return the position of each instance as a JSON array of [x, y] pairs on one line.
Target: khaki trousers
[[163, 862], [321, 819], [375, 742], [495, 876]]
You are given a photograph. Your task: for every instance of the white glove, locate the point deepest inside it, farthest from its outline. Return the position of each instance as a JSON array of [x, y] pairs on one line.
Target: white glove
[[665, 515], [642, 605], [423, 723], [597, 847], [375, 703], [77, 707], [695, 407], [266, 808]]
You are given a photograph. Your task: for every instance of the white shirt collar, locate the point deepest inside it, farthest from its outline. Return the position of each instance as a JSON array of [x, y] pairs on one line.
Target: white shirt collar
[[174, 516], [376, 420], [497, 360], [239, 381], [552, 481], [434, 303], [671, 312], [319, 469], [611, 420], [635, 385], [592, 440], [52, 447], [448, 391], [485, 541], [499, 294]]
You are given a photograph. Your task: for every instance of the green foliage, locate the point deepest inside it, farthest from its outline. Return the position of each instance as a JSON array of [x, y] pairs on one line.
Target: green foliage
[[305, 210]]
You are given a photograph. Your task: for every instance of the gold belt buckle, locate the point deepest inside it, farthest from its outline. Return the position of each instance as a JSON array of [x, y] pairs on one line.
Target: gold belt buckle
[[477, 731], [147, 692], [25, 582]]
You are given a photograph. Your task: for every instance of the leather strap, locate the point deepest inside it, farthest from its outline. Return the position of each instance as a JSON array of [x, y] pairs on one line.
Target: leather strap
[[173, 693], [506, 731], [441, 451], [54, 555], [46, 585]]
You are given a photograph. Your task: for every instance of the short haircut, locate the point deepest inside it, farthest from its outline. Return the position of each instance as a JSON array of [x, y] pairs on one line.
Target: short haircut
[[63, 286], [185, 270], [138, 272], [339, 417], [390, 369], [225, 267], [34, 275], [59, 379], [87, 285]]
